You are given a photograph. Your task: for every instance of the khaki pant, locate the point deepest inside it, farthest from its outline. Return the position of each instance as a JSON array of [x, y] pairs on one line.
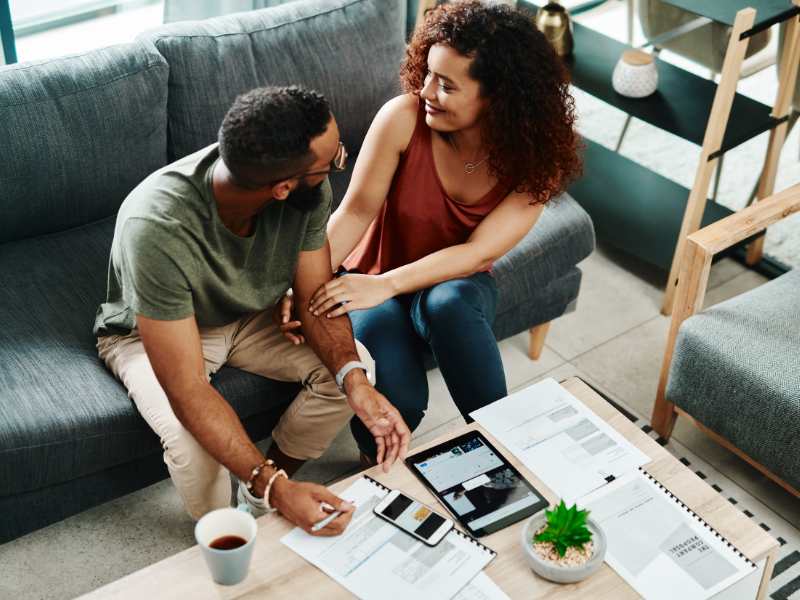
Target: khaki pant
[[254, 344]]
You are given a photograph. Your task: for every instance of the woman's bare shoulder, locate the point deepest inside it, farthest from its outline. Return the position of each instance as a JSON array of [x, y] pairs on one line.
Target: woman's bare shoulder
[[397, 119], [404, 106]]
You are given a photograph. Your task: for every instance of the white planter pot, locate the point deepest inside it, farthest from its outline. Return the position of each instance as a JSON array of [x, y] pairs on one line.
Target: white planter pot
[[552, 571], [635, 75]]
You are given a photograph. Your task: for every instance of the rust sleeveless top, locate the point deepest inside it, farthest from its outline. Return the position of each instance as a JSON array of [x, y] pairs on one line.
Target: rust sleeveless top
[[418, 217]]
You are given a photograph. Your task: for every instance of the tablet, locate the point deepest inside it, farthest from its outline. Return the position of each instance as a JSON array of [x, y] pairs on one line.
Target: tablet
[[477, 485]]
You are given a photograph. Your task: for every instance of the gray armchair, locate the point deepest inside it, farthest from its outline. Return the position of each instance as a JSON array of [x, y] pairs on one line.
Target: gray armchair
[[734, 368]]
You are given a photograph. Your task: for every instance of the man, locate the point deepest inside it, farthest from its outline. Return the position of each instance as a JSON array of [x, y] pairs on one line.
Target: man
[[203, 250]]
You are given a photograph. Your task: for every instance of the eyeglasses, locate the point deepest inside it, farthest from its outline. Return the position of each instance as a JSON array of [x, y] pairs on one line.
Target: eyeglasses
[[339, 162]]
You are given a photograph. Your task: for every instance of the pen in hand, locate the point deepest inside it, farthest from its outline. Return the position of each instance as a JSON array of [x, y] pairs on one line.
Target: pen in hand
[[327, 520]]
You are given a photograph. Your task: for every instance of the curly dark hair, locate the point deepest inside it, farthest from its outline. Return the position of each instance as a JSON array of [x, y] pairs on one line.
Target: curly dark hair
[[528, 126], [267, 131]]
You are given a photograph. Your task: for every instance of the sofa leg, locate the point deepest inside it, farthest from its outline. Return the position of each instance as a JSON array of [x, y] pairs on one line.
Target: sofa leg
[[536, 344]]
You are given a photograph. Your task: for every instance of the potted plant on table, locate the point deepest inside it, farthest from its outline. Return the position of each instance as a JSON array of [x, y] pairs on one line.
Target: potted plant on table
[[563, 544]]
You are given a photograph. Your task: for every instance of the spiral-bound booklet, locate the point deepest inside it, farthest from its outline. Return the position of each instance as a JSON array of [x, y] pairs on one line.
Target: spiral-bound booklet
[[375, 560], [660, 546]]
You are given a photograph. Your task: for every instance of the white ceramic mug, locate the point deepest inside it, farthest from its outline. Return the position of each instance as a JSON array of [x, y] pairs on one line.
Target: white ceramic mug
[[635, 75], [228, 567]]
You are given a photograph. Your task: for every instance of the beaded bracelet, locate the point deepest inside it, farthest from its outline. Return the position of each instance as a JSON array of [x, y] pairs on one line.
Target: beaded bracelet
[[256, 472]]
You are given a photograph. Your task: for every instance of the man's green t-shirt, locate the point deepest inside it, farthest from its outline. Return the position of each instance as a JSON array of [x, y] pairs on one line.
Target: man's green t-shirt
[[172, 257]]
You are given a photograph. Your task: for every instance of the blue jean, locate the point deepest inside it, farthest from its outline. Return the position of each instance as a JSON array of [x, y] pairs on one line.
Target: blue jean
[[453, 320]]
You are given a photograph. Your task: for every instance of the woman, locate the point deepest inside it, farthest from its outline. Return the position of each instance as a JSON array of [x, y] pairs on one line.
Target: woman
[[450, 177]]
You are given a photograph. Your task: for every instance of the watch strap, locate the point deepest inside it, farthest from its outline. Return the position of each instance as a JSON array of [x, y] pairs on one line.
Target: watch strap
[[349, 366]]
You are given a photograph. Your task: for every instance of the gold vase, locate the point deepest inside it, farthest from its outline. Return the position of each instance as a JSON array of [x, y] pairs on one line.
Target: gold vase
[[554, 22]]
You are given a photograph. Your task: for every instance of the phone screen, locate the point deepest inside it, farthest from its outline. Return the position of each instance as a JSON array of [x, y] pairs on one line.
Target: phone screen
[[412, 516]]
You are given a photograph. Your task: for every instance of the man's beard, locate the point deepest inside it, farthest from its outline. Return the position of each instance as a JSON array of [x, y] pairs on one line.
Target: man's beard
[[305, 198]]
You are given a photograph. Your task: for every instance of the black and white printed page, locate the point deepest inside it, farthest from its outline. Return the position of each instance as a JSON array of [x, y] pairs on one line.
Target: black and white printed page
[[377, 561], [569, 447], [659, 547]]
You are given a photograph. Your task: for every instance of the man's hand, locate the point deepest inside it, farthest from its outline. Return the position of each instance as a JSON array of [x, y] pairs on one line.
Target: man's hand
[[350, 292], [282, 316], [302, 504], [382, 419]]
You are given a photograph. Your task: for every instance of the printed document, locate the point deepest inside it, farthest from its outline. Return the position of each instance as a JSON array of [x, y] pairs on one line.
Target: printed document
[[570, 448], [653, 539], [377, 561], [481, 588]]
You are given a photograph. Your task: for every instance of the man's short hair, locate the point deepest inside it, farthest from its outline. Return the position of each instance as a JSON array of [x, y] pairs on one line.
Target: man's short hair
[[266, 133]]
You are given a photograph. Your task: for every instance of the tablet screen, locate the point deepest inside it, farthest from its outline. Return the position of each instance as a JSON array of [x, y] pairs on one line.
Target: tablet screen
[[479, 486]]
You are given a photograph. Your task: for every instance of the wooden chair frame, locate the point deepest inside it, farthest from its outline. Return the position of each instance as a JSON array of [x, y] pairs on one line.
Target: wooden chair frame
[[715, 131], [700, 248]]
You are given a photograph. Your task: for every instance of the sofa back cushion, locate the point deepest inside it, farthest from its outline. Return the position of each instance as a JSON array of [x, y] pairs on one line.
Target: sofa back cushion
[[350, 50], [76, 135]]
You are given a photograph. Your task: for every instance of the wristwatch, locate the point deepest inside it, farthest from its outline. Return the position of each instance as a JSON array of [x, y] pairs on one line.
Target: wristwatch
[[353, 364]]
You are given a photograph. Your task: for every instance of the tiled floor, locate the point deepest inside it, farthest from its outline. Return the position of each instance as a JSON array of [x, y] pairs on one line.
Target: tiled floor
[[614, 340]]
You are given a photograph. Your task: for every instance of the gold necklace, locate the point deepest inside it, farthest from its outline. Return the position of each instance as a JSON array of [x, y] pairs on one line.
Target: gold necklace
[[469, 166]]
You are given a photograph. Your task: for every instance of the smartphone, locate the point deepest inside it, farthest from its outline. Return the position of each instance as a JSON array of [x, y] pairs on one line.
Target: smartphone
[[413, 517]]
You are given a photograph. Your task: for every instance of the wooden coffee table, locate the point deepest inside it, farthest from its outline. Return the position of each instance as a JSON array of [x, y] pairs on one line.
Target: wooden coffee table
[[276, 572]]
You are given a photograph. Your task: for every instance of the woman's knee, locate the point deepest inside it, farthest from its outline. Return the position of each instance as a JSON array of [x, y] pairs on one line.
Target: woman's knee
[[372, 325], [452, 301]]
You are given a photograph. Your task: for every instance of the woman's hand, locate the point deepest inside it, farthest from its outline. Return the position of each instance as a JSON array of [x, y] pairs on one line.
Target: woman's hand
[[351, 292], [282, 317]]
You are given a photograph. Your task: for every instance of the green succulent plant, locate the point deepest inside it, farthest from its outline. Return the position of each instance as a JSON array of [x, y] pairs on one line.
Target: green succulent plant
[[565, 527]]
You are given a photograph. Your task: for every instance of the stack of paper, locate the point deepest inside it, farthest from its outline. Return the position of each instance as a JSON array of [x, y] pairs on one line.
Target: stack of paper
[[659, 546], [377, 561]]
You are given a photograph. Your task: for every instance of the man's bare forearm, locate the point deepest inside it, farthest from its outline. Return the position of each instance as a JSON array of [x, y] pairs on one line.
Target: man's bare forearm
[[331, 339], [217, 428], [175, 353]]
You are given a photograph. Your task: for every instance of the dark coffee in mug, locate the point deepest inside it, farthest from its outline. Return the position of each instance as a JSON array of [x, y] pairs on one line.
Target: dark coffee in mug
[[228, 542]]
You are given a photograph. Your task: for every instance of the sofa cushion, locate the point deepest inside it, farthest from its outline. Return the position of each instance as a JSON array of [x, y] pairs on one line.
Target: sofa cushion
[[83, 131], [562, 237], [350, 50], [62, 414], [736, 370], [558, 297]]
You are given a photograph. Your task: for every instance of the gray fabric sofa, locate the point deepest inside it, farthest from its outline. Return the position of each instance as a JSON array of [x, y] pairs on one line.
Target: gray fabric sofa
[[736, 370], [77, 134]]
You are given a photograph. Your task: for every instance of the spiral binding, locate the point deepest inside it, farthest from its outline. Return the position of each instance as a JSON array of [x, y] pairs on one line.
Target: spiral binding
[[471, 539], [467, 537], [699, 519], [377, 483]]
